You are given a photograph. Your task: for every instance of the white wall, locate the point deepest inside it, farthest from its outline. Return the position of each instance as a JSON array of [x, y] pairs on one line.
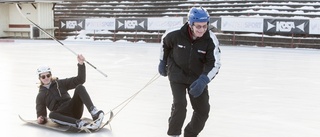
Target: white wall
[[42, 15], [45, 18], [27, 9], [4, 19]]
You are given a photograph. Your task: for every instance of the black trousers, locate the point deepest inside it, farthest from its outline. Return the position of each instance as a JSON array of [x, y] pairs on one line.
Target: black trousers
[[71, 111], [200, 105]]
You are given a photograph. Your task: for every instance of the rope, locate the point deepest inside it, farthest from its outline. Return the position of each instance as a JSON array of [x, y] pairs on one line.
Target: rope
[[84, 129], [128, 100]]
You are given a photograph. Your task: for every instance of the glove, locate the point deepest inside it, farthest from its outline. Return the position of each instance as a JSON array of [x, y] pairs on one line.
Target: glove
[[162, 68], [197, 87]]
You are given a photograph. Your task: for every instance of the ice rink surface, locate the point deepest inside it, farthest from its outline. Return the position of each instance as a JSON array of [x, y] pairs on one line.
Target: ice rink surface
[[259, 92]]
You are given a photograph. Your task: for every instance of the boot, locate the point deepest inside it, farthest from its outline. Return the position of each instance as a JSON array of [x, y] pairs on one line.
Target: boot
[[81, 124], [97, 116]]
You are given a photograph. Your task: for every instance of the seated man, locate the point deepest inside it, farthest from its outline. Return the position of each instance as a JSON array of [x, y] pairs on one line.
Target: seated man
[[53, 94]]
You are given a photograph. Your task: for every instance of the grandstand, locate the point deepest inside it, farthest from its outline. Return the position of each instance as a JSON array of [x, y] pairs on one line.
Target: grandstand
[[287, 9], [174, 8]]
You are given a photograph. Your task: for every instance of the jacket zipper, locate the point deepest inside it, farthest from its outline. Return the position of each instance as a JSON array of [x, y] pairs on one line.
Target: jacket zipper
[[189, 61]]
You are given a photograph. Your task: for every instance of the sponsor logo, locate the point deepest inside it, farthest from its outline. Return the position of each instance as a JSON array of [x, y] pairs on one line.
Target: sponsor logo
[[131, 24], [72, 24], [285, 26]]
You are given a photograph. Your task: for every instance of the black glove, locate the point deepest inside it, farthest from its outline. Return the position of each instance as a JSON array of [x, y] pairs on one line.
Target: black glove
[[162, 68], [197, 87]]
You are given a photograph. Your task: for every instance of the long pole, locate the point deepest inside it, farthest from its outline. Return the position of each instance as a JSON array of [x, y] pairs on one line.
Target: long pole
[[52, 37]]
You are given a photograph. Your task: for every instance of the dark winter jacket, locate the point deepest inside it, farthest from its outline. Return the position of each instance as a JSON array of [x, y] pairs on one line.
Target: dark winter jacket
[[187, 59], [57, 94]]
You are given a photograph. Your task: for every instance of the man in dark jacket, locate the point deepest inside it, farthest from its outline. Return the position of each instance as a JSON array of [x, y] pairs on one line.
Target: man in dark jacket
[[53, 94], [190, 57]]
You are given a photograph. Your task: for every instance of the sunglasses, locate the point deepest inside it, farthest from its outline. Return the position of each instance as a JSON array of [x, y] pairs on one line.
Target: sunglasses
[[44, 76]]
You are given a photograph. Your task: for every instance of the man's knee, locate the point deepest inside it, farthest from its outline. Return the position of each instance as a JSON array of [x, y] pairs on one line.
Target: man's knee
[[80, 88], [52, 114]]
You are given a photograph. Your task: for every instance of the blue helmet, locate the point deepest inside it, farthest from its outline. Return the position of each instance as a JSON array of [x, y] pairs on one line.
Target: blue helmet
[[198, 15]]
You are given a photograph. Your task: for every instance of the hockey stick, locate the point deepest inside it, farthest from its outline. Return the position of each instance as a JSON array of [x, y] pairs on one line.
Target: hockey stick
[[52, 37]]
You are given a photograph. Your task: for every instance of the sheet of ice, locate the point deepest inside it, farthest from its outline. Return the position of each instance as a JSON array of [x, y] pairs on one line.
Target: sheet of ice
[[259, 92]]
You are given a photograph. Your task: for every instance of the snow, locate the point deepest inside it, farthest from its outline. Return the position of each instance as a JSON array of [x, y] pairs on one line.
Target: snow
[[259, 92]]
